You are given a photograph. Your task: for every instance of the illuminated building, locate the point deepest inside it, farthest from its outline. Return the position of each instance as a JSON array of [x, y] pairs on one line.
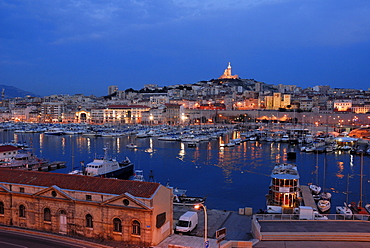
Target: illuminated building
[[227, 74]]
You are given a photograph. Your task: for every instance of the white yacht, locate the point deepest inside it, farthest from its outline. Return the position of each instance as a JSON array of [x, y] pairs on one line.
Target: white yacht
[[107, 167]]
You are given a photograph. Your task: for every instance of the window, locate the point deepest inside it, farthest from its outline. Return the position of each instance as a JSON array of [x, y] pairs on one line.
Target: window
[[88, 197], [160, 219], [1, 208], [126, 202], [136, 227], [117, 225], [21, 190], [47, 214], [22, 211], [89, 221]]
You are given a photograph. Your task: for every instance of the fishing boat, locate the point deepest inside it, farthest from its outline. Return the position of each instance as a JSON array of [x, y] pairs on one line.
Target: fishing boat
[[107, 167], [284, 191], [188, 200], [180, 197], [138, 176]]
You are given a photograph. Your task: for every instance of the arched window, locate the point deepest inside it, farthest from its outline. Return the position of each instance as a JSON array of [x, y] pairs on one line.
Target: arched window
[[136, 227], [1, 208], [47, 214], [22, 211], [117, 225], [89, 221]]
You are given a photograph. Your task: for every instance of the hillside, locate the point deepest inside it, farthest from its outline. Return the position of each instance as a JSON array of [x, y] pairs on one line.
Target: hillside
[[11, 92]]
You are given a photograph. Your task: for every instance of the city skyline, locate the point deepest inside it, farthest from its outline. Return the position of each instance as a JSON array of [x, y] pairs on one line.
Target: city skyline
[[71, 47]]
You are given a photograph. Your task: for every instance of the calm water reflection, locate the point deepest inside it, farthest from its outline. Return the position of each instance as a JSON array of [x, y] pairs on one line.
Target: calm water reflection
[[231, 177]]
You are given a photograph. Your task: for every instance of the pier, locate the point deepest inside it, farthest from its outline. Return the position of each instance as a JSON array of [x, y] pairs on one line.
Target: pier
[[307, 197], [50, 166]]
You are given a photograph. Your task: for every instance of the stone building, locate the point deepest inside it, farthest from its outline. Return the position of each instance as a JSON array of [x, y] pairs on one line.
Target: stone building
[[133, 212]]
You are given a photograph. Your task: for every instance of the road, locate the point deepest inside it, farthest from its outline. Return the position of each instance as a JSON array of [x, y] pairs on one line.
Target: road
[[20, 239]]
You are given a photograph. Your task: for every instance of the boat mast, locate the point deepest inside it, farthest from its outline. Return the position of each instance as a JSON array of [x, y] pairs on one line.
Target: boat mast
[[324, 183], [317, 167], [361, 175], [347, 188]]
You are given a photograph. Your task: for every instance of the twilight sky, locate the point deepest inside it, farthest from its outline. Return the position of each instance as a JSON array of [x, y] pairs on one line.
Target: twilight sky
[[83, 46]]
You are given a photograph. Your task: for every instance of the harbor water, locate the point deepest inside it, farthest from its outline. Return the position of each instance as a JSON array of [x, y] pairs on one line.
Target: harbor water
[[230, 177]]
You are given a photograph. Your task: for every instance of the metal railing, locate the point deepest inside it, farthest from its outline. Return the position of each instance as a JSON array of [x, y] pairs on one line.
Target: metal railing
[[324, 217]]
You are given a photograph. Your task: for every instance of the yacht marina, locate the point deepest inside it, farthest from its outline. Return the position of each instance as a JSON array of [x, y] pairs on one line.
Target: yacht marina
[[242, 169]]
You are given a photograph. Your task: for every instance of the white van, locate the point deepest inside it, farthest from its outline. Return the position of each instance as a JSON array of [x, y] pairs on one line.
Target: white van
[[187, 222]]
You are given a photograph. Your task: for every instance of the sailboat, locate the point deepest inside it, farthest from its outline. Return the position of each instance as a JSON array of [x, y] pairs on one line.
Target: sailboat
[[324, 203], [345, 210], [315, 188], [357, 208]]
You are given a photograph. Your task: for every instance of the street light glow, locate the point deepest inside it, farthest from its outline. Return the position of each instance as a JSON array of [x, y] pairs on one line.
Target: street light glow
[[198, 206]]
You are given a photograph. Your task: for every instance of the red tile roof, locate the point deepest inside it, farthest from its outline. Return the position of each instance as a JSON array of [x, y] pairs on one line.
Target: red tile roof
[[8, 148], [77, 182]]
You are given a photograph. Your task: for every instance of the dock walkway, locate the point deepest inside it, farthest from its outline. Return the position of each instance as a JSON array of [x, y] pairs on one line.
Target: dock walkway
[[307, 197]]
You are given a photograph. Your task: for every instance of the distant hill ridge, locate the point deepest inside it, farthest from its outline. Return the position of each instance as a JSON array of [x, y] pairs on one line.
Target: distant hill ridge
[[12, 92]]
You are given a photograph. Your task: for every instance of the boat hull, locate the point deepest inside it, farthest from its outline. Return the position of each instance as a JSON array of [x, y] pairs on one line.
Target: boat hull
[[124, 172]]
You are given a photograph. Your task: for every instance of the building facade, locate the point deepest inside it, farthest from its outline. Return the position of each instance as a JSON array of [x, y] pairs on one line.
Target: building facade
[[133, 212]]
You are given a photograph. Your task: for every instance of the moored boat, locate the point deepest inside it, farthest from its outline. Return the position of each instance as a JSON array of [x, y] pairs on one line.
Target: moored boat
[[315, 189], [188, 200], [344, 210], [325, 196], [107, 167], [284, 190], [367, 207], [323, 206], [131, 146], [138, 176]]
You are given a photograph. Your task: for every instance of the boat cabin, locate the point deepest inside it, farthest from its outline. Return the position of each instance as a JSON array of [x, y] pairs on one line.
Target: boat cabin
[[284, 191]]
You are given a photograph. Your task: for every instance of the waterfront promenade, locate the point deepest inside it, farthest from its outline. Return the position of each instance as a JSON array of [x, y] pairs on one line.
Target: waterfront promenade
[[239, 229], [279, 233]]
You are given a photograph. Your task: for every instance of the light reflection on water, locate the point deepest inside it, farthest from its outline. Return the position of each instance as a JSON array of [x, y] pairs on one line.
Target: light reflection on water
[[230, 177]]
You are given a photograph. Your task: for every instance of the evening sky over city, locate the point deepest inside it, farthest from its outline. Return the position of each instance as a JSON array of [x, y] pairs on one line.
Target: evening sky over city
[[80, 46]]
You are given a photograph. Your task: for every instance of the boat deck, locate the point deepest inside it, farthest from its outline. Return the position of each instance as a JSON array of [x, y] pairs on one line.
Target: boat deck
[[307, 197]]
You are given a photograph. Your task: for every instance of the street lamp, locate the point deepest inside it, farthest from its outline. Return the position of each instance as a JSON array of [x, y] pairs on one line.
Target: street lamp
[[198, 206]]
